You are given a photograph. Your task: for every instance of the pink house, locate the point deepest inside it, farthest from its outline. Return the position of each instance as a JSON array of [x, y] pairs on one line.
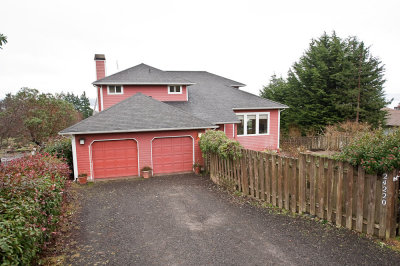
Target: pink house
[[150, 117]]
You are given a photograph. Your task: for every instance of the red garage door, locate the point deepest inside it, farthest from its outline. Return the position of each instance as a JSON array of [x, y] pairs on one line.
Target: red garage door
[[116, 158], [172, 155]]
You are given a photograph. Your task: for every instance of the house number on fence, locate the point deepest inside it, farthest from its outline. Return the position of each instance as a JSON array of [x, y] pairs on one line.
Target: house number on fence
[[384, 189]]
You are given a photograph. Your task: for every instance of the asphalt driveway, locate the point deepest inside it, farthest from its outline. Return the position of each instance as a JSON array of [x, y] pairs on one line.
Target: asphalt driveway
[[186, 220]]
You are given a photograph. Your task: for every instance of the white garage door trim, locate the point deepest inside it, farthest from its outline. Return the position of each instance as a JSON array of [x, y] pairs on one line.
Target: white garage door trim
[[164, 137], [91, 159]]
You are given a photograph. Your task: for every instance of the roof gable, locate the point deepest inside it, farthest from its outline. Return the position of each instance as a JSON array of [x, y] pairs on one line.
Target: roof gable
[[138, 113], [143, 74]]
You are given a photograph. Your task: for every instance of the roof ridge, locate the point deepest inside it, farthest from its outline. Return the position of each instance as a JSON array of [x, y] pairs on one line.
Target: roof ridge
[[167, 75], [126, 69], [205, 71]]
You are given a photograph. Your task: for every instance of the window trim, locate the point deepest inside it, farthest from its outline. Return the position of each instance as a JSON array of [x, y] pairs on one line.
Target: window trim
[[169, 91], [115, 93], [257, 123]]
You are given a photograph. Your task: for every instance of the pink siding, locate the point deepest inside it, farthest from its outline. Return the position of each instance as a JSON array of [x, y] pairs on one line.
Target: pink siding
[[158, 92], [262, 142], [144, 140], [229, 130], [100, 69]]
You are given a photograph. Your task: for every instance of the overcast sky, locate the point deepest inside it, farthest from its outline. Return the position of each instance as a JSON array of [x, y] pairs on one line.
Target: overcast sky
[[51, 44]]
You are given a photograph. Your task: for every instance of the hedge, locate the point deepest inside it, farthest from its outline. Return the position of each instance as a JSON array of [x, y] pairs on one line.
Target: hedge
[[31, 194], [377, 151], [60, 147]]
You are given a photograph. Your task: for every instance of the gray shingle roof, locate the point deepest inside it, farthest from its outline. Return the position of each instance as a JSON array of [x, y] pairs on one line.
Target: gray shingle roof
[[143, 74], [393, 117], [138, 113], [213, 98]]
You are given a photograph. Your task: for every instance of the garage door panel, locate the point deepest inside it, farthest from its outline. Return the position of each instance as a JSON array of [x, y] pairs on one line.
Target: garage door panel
[[172, 155], [115, 158]]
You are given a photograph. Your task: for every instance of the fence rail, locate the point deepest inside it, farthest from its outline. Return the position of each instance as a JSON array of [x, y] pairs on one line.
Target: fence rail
[[333, 143], [329, 189]]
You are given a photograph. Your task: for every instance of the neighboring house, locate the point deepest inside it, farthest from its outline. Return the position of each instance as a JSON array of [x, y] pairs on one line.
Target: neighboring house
[[150, 117], [393, 117]]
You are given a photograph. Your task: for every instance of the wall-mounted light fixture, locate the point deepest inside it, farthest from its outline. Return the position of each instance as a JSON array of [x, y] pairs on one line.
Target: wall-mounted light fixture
[[82, 141]]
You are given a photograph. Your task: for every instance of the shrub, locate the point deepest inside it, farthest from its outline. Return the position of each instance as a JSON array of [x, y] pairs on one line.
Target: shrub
[[217, 142], [146, 168], [375, 151], [347, 128], [62, 148], [30, 200]]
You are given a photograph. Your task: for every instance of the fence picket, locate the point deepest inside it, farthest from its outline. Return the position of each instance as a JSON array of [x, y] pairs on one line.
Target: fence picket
[[330, 183], [339, 195], [371, 204], [311, 169], [273, 179], [293, 205], [321, 187], [349, 196], [302, 183], [244, 174], [390, 204], [251, 175], [256, 175], [262, 176], [280, 179], [286, 183], [360, 199], [267, 173]]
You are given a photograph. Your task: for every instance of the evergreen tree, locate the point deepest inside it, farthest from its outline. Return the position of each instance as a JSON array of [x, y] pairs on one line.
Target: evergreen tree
[[335, 80], [81, 104], [85, 106], [3, 40]]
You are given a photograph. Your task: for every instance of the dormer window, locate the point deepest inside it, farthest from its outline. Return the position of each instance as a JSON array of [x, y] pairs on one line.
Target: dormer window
[[174, 89], [115, 89]]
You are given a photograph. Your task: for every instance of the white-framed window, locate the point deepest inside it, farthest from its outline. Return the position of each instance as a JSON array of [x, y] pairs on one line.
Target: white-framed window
[[115, 89], [174, 89], [253, 124]]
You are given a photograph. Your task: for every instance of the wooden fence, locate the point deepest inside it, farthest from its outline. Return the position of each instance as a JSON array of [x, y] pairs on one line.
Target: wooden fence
[[328, 143], [329, 189]]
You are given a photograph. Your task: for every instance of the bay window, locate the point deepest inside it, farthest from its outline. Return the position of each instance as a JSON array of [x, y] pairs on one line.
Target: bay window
[[253, 124]]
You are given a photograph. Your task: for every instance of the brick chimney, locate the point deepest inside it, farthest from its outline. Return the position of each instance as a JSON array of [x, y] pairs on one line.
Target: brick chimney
[[100, 60]]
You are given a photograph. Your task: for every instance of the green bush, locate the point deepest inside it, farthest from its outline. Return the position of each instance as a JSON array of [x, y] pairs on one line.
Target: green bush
[[31, 193], [217, 142], [377, 151], [62, 148]]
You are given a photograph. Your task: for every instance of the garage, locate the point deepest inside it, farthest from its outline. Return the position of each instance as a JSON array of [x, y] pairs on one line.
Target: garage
[[172, 154], [115, 158]]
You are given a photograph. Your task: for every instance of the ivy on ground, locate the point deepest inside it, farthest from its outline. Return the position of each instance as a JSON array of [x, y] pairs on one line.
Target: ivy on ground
[[217, 142], [377, 151]]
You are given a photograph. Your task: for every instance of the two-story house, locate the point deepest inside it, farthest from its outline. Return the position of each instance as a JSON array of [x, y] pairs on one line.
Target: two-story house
[[151, 117]]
